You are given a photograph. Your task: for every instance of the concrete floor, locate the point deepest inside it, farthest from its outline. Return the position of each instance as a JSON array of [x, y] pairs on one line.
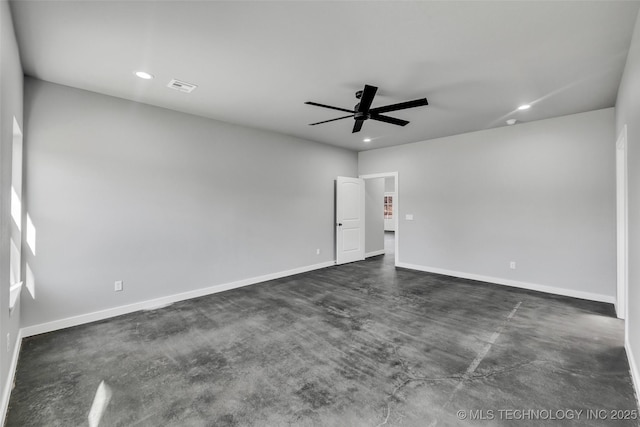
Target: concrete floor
[[361, 344]]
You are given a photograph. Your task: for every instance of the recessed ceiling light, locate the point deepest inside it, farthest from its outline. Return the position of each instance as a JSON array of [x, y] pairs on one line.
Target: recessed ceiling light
[[144, 75], [367, 140], [511, 122], [524, 107]]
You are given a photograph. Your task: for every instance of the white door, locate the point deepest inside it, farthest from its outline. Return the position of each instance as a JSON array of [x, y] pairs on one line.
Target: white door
[[349, 219], [622, 221]]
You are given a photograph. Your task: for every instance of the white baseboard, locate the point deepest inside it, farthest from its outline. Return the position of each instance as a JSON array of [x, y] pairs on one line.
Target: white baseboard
[[514, 283], [11, 374], [635, 375], [160, 302], [374, 253]]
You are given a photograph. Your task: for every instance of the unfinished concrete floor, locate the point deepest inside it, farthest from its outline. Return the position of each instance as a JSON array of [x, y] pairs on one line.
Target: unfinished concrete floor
[[361, 344]]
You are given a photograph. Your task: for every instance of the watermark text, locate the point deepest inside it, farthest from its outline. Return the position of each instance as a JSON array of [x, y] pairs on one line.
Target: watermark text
[[522, 414]]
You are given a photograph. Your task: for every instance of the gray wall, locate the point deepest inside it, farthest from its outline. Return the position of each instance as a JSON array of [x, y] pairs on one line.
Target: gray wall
[[541, 194], [628, 112], [374, 215], [11, 82], [166, 202]]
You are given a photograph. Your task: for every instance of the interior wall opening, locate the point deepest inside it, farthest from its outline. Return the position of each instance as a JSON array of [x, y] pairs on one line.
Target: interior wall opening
[[392, 235]]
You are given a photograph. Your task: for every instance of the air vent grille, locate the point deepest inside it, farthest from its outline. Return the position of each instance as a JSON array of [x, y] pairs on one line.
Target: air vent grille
[[181, 86]]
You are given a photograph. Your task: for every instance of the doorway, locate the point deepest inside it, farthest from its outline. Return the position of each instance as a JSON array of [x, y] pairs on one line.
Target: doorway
[[391, 238]]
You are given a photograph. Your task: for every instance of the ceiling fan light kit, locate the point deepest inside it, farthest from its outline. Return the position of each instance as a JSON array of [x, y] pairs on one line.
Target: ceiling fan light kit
[[363, 111]]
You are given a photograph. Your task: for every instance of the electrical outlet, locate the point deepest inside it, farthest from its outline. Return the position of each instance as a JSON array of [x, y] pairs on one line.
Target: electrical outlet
[[118, 286], [512, 265], [318, 251], [408, 217]]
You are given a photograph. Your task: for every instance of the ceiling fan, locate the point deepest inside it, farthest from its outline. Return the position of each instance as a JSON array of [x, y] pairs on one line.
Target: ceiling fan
[[363, 111]]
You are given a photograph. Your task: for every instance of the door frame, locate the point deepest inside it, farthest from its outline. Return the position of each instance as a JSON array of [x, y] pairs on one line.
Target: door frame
[[396, 206], [622, 227]]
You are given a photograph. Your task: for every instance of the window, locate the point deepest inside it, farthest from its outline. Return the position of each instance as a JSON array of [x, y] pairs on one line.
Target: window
[[14, 266], [388, 207], [16, 208], [15, 273]]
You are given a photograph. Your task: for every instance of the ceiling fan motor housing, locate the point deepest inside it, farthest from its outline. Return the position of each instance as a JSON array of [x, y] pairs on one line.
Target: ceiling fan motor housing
[[360, 115]]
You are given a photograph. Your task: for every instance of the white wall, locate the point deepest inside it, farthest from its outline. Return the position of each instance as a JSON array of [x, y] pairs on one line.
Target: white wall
[[628, 112], [389, 184], [11, 82], [374, 216], [165, 201], [541, 194]]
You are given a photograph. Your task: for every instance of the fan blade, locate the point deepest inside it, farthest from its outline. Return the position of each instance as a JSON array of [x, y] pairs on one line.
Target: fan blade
[[388, 119], [329, 106], [400, 106], [357, 126], [367, 98], [327, 121]]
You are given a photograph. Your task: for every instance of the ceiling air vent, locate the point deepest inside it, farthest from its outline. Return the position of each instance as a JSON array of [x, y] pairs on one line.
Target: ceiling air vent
[[181, 86]]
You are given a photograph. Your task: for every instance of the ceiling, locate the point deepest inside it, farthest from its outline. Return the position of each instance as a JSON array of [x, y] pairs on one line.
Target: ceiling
[[256, 63]]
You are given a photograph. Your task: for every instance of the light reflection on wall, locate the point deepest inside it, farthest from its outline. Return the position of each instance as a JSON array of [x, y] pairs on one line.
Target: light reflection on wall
[[31, 235]]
